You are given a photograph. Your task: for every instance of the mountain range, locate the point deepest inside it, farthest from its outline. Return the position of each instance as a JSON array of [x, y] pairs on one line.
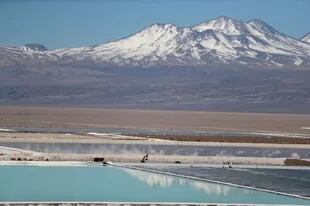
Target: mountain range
[[221, 64], [219, 42]]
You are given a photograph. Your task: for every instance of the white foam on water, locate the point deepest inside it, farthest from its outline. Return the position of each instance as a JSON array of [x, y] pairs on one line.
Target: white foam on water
[[98, 134], [295, 155], [6, 130], [305, 128], [11, 150], [48, 163]]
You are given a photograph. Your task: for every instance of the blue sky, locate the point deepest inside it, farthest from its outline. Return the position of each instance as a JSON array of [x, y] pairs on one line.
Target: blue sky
[[72, 23]]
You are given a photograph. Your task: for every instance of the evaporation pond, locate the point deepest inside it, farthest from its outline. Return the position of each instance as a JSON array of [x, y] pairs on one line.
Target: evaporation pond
[[115, 184]]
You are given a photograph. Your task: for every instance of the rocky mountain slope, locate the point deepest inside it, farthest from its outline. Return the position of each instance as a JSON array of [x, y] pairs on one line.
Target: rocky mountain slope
[[222, 64], [219, 42]]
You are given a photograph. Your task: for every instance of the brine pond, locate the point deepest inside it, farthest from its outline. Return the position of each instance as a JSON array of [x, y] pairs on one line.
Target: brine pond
[[159, 149], [94, 183]]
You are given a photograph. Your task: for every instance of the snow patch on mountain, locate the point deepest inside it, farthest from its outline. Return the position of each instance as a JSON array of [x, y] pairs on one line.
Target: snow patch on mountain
[[306, 38], [223, 24], [219, 41], [298, 61]]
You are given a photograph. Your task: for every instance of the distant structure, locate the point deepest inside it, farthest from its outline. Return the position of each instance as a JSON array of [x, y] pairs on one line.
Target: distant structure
[[144, 158]]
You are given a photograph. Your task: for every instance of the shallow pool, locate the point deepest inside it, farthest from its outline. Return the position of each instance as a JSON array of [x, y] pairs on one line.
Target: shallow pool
[[114, 184], [159, 149]]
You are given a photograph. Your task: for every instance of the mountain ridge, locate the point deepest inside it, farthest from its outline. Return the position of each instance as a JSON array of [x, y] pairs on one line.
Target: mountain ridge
[[306, 38], [165, 66], [220, 41]]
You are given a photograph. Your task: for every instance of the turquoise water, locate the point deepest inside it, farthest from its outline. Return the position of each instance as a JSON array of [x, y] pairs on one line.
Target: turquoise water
[[114, 184]]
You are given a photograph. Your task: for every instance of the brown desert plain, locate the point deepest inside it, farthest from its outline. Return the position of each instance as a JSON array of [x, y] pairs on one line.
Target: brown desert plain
[[275, 127], [83, 117]]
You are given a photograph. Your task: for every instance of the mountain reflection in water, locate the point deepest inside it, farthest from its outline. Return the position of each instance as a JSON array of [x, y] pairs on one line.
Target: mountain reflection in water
[[165, 181]]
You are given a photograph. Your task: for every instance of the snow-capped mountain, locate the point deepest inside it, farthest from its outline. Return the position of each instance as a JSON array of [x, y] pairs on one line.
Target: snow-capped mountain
[[306, 38], [221, 41], [11, 56]]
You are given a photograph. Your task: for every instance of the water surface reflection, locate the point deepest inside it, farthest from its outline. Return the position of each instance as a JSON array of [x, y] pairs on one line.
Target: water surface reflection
[[160, 149], [166, 181]]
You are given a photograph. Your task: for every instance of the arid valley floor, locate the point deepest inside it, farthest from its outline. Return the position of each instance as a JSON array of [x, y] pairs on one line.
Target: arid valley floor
[[82, 117], [218, 135], [227, 145]]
